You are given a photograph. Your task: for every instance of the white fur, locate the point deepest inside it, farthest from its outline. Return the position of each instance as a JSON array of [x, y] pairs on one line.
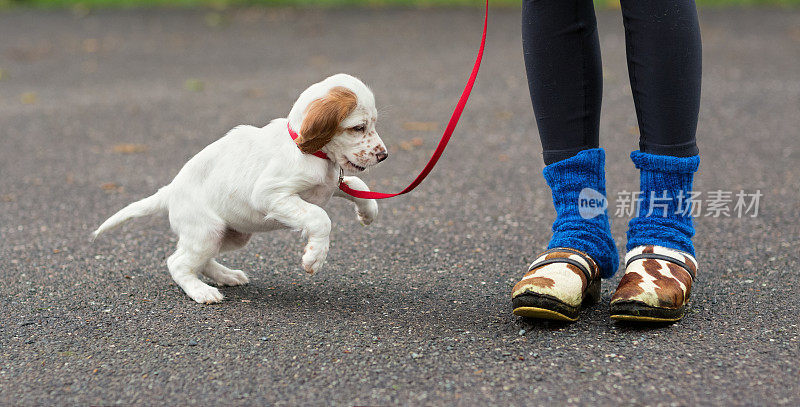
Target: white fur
[[257, 180]]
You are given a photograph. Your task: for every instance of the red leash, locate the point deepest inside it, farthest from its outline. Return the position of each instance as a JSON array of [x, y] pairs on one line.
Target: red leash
[[451, 126]]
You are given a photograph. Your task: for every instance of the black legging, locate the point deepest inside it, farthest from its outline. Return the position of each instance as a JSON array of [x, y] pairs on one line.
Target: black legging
[[562, 56]]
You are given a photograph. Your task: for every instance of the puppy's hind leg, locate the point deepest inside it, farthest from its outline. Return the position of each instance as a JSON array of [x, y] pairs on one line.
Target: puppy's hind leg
[[190, 259], [220, 274]]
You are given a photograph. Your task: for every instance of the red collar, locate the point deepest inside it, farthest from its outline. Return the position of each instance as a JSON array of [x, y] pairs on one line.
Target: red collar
[[294, 135]]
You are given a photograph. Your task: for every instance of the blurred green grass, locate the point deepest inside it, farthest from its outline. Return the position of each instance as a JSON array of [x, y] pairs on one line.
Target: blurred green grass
[[334, 3]]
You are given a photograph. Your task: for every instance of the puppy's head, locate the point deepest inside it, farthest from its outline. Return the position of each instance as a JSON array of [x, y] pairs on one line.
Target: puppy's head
[[337, 116]]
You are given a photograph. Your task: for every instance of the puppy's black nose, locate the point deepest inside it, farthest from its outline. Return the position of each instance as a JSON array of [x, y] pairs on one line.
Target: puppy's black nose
[[382, 156]]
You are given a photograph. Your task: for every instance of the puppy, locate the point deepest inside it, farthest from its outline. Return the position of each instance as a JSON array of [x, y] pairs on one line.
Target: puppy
[[260, 179]]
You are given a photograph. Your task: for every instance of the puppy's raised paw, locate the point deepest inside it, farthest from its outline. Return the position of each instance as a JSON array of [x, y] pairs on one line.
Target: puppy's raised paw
[[314, 257], [367, 212]]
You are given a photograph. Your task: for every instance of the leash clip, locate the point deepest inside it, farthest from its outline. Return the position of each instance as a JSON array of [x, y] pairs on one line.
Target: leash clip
[[341, 177]]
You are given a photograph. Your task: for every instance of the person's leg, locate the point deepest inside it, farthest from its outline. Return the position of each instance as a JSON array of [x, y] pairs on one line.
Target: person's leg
[[664, 65], [562, 56], [664, 53], [565, 78]]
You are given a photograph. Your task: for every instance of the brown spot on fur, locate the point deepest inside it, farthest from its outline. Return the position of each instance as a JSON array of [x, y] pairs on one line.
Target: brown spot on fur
[[556, 255], [628, 287], [648, 249], [652, 267], [543, 282], [323, 116], [576, 270], [592, 264], [690, 264], [683, 276], [571, 267], [668, 290]]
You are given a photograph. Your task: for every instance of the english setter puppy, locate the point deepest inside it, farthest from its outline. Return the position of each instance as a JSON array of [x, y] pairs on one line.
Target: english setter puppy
[[261, 179]]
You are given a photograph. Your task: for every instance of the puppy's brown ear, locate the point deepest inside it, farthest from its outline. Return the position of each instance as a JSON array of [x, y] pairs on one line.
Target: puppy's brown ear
[[323, 116]]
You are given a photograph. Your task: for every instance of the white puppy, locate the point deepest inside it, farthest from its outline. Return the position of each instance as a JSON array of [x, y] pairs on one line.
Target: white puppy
[[259, 179]]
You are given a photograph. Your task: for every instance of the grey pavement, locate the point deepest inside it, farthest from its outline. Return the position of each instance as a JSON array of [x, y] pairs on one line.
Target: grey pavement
[[97, 111]]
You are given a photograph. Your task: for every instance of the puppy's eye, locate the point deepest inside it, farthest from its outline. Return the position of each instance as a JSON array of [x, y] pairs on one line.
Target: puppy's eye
[[360, 128]]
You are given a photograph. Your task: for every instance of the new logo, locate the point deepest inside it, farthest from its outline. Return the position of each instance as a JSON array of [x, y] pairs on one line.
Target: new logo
[[591, 203]]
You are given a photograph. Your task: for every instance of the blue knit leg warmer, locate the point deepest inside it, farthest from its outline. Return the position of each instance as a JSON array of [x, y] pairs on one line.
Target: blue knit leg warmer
[[664, 217], [591, 235]]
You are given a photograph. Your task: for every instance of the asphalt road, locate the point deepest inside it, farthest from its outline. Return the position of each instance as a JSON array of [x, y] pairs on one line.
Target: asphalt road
[[97, 111]]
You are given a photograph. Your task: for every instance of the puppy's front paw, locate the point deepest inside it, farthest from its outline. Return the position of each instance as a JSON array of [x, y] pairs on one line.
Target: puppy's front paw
[[367, 212], [205, 294], [314, 256]]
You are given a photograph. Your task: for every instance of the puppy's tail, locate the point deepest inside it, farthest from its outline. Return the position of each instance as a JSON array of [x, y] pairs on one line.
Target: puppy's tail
[[156, 203]]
